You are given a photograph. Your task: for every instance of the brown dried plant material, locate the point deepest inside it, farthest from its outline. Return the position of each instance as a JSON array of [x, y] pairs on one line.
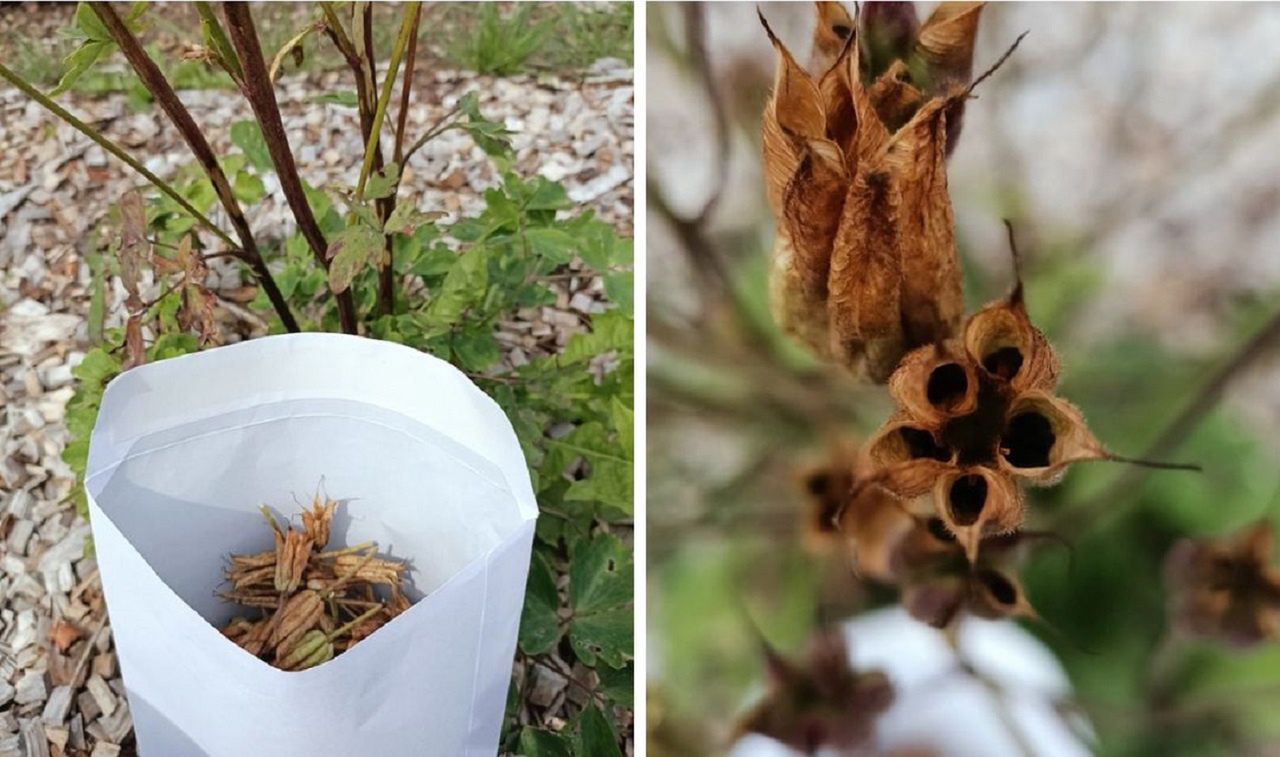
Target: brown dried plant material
[[864, 263], [976, 416], [819, 701], [315, 603], [1226, 589]]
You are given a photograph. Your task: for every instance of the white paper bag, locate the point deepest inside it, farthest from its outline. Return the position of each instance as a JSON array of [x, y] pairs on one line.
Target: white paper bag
[[185, 451]]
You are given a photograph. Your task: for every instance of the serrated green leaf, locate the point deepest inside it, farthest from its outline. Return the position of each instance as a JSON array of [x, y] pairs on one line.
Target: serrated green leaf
[[610, 478], [600, 575], [475, 350], [382, 183], [619, 287], [79, 61], [553, 244], [351, 252], [463, 286], [247, 135], [491, 137], [610, 331], [97, 367], [539, 622], [603, 637], [595, 735], [406, 219]]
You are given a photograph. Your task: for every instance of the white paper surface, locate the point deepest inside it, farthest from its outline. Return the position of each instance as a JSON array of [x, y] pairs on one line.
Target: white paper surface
[[185, 451]]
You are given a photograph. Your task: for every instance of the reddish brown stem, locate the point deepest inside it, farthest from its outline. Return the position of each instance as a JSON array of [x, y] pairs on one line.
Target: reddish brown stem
[[262, 98], [153, 79]]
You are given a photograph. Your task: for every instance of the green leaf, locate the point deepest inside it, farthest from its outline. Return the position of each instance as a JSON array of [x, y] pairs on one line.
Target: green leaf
[[536, 742], [540, 623], [553, 244], [247, 135], [463, 286], [605, 637], [346, 99], [491, 137], [619, 683], [382, 183], [610, 331], [620, 287], [610, 480], [595, 735], [475, 350], [248, 188], [78, 62], [97, 368], [351, 252], [406, 219], [600, 575]]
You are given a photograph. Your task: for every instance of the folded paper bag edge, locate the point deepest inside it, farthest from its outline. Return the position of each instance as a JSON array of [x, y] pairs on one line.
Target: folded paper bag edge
[[396, 377]]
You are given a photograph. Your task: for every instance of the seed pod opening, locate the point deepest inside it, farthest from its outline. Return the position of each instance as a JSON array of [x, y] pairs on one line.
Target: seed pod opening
[[966, 498], [935, 384], [1001, 339], [1043, 435]]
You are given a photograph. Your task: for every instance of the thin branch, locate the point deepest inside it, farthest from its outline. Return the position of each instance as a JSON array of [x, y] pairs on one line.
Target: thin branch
[[1123, 487], [386, 274], [262, 98], [439, 127], [222, 45], [114, 149], [406, 87], [153, 79], [407, 25]]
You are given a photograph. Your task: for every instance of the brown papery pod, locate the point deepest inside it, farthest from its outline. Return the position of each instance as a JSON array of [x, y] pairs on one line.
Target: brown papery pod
[[863, 305], [1043, 435], [1001, 339], [830, 35], [934, 384], [945, 45], [894, 97], [932, 302], [976, 502]]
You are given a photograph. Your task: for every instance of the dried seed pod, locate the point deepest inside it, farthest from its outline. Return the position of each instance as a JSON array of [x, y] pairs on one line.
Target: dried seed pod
[[819, 701], [291, 561], [312, 649], [318, 520], [1004, 344], [1226, 589], [976, 502], [854, 154], [298, 615]]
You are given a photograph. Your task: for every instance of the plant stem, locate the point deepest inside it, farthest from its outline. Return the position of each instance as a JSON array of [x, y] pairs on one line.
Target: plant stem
[[221, 44], [111, 147], [1122, 488], [262, 98], [387, 274], [407, 25], [153, 79]]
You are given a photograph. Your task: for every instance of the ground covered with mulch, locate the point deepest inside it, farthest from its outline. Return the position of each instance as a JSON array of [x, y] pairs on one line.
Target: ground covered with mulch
[[60, 686]]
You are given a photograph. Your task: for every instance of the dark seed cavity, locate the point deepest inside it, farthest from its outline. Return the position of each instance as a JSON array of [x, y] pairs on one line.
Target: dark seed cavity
[[1004, 362], [966, 499], [841, 30], [947, 386], [1027, 440], [1001, 588], [938, 530], [920, 444], [817, 483]]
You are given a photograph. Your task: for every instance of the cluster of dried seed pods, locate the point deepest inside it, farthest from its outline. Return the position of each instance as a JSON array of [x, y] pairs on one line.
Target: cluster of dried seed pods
[[865, 265], [1226, 589], [918, 554], [314, 604]]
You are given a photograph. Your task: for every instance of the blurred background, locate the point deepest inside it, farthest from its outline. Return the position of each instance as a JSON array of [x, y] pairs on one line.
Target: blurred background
[[1133, 147]]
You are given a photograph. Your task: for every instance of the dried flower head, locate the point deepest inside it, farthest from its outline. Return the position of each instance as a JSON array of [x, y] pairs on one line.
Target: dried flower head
[[865, 266], [1226, 589], [975, 417], [819, 701]]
